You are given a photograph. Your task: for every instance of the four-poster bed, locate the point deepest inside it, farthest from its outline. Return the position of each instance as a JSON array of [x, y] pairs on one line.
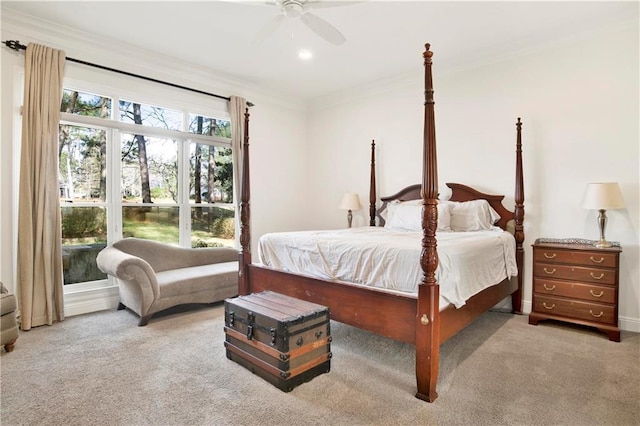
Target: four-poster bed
[[413, 318]]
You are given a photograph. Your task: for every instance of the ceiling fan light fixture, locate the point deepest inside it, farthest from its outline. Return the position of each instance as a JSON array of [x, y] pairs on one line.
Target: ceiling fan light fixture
[[292, 8]]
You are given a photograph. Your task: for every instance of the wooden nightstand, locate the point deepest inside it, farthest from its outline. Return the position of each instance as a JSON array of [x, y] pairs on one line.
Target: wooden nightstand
[[576, 283]]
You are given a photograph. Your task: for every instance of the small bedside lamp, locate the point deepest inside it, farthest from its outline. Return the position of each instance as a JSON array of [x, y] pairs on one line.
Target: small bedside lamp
[[350, 202], [603, 196]]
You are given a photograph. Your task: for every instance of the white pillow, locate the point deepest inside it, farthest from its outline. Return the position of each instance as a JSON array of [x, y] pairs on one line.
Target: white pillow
[[407, 216], [444, 216], [388, 212], [391, 208], [404, 217], [475, 215]]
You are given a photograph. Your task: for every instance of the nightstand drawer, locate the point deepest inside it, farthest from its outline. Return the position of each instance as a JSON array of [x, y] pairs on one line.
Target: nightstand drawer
[[594, 312], [584, 258], [576, 273], [588, 292]]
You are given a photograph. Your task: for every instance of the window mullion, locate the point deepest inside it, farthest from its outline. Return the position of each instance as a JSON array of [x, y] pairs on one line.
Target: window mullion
[[183, 193], [114, 200], [183, 185]]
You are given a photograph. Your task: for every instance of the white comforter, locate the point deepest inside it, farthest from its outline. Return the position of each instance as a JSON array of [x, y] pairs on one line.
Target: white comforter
[[374, 256]]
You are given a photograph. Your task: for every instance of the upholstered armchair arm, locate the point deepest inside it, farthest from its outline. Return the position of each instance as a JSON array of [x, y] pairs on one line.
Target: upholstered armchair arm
[[128, 268]]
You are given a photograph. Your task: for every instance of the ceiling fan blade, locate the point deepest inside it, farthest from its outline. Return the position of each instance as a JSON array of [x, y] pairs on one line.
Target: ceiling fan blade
[[268, 29], [323, 28]]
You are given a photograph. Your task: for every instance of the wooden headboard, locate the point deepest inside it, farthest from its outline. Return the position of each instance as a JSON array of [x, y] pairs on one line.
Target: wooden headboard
[[459, 192]]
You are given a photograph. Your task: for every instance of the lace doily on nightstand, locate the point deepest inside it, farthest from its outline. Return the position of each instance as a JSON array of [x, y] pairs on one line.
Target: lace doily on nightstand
[[573, 241]]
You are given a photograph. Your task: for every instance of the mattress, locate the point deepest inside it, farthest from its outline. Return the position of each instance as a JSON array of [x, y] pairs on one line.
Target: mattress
[[468, 262]]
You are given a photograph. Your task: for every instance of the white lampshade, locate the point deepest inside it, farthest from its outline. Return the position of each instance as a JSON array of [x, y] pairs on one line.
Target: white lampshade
[[350, 202], [603, 196]]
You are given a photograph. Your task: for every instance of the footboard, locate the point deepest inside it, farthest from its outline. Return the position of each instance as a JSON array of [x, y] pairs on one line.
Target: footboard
[[381, 312]]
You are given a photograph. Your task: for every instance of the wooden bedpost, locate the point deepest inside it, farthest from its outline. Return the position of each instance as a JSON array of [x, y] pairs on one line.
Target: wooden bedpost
[[372, 186], [245, 215], [428, 315], [516, 297]]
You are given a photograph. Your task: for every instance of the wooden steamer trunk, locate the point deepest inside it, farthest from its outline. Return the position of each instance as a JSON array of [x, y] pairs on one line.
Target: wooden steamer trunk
[[285, 341]]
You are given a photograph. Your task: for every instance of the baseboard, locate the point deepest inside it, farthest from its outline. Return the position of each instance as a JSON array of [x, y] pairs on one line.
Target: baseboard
[[505, 306], [629, 324], [83, 302]]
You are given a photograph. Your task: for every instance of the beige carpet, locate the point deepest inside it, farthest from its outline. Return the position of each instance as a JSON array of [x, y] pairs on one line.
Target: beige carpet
[[101, 369]]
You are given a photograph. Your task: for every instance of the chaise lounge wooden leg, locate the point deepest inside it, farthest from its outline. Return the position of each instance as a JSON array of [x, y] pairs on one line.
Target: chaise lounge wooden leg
[[144, 320], [120, 306], [9, 346]]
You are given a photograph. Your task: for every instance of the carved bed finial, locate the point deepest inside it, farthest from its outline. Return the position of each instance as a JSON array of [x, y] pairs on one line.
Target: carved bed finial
[[428, 79], [427, 53]]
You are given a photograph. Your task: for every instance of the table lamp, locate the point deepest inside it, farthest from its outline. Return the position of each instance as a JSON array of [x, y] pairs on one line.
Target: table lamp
[[603, 196], [350, 202]]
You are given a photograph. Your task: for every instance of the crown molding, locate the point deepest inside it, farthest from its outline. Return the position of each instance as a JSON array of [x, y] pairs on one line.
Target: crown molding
[[509, 51], [100, 50]]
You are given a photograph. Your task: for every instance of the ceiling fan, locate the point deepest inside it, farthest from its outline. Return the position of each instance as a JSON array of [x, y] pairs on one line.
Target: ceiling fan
[[298, 9]]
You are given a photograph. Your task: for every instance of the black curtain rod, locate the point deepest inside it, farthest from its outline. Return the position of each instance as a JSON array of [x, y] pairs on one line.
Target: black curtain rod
[[15, 45]]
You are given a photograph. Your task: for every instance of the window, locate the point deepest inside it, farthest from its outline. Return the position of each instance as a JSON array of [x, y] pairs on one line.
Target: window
[[141, 170]]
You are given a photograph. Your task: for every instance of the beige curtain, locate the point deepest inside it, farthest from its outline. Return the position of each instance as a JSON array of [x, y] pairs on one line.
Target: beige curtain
[[40, 278], [237, 107]]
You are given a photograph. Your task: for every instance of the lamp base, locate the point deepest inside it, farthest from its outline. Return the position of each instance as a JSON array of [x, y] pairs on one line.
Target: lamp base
[[603, 244], [602, 222]]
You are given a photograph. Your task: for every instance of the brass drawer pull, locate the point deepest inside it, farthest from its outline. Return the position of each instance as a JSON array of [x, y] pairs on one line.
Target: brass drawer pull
[[597, 261], [596, 295], [599, 277], [553, 287], [594, 315], [551, 256], [551, 272], [549, 307]]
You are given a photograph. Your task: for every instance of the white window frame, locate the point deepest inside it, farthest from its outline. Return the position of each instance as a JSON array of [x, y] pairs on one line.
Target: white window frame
[[114, 128]]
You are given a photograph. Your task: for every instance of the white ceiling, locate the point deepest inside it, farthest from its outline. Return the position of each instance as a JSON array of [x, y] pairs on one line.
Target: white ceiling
[[384, 38]]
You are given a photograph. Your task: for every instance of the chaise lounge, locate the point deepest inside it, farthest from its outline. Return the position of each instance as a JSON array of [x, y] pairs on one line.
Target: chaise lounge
[[154, 276]]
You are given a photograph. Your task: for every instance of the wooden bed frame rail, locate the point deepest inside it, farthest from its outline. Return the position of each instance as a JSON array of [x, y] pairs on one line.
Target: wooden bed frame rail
[[414, 319]]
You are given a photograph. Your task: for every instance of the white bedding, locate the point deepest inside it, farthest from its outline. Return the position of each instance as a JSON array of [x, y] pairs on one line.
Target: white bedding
[[374, 256]]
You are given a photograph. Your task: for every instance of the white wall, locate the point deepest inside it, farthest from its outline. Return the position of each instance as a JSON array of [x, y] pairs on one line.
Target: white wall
[[578, 99]]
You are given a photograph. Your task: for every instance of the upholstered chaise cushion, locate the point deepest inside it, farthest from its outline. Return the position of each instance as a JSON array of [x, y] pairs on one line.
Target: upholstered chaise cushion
[[197, 278]]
